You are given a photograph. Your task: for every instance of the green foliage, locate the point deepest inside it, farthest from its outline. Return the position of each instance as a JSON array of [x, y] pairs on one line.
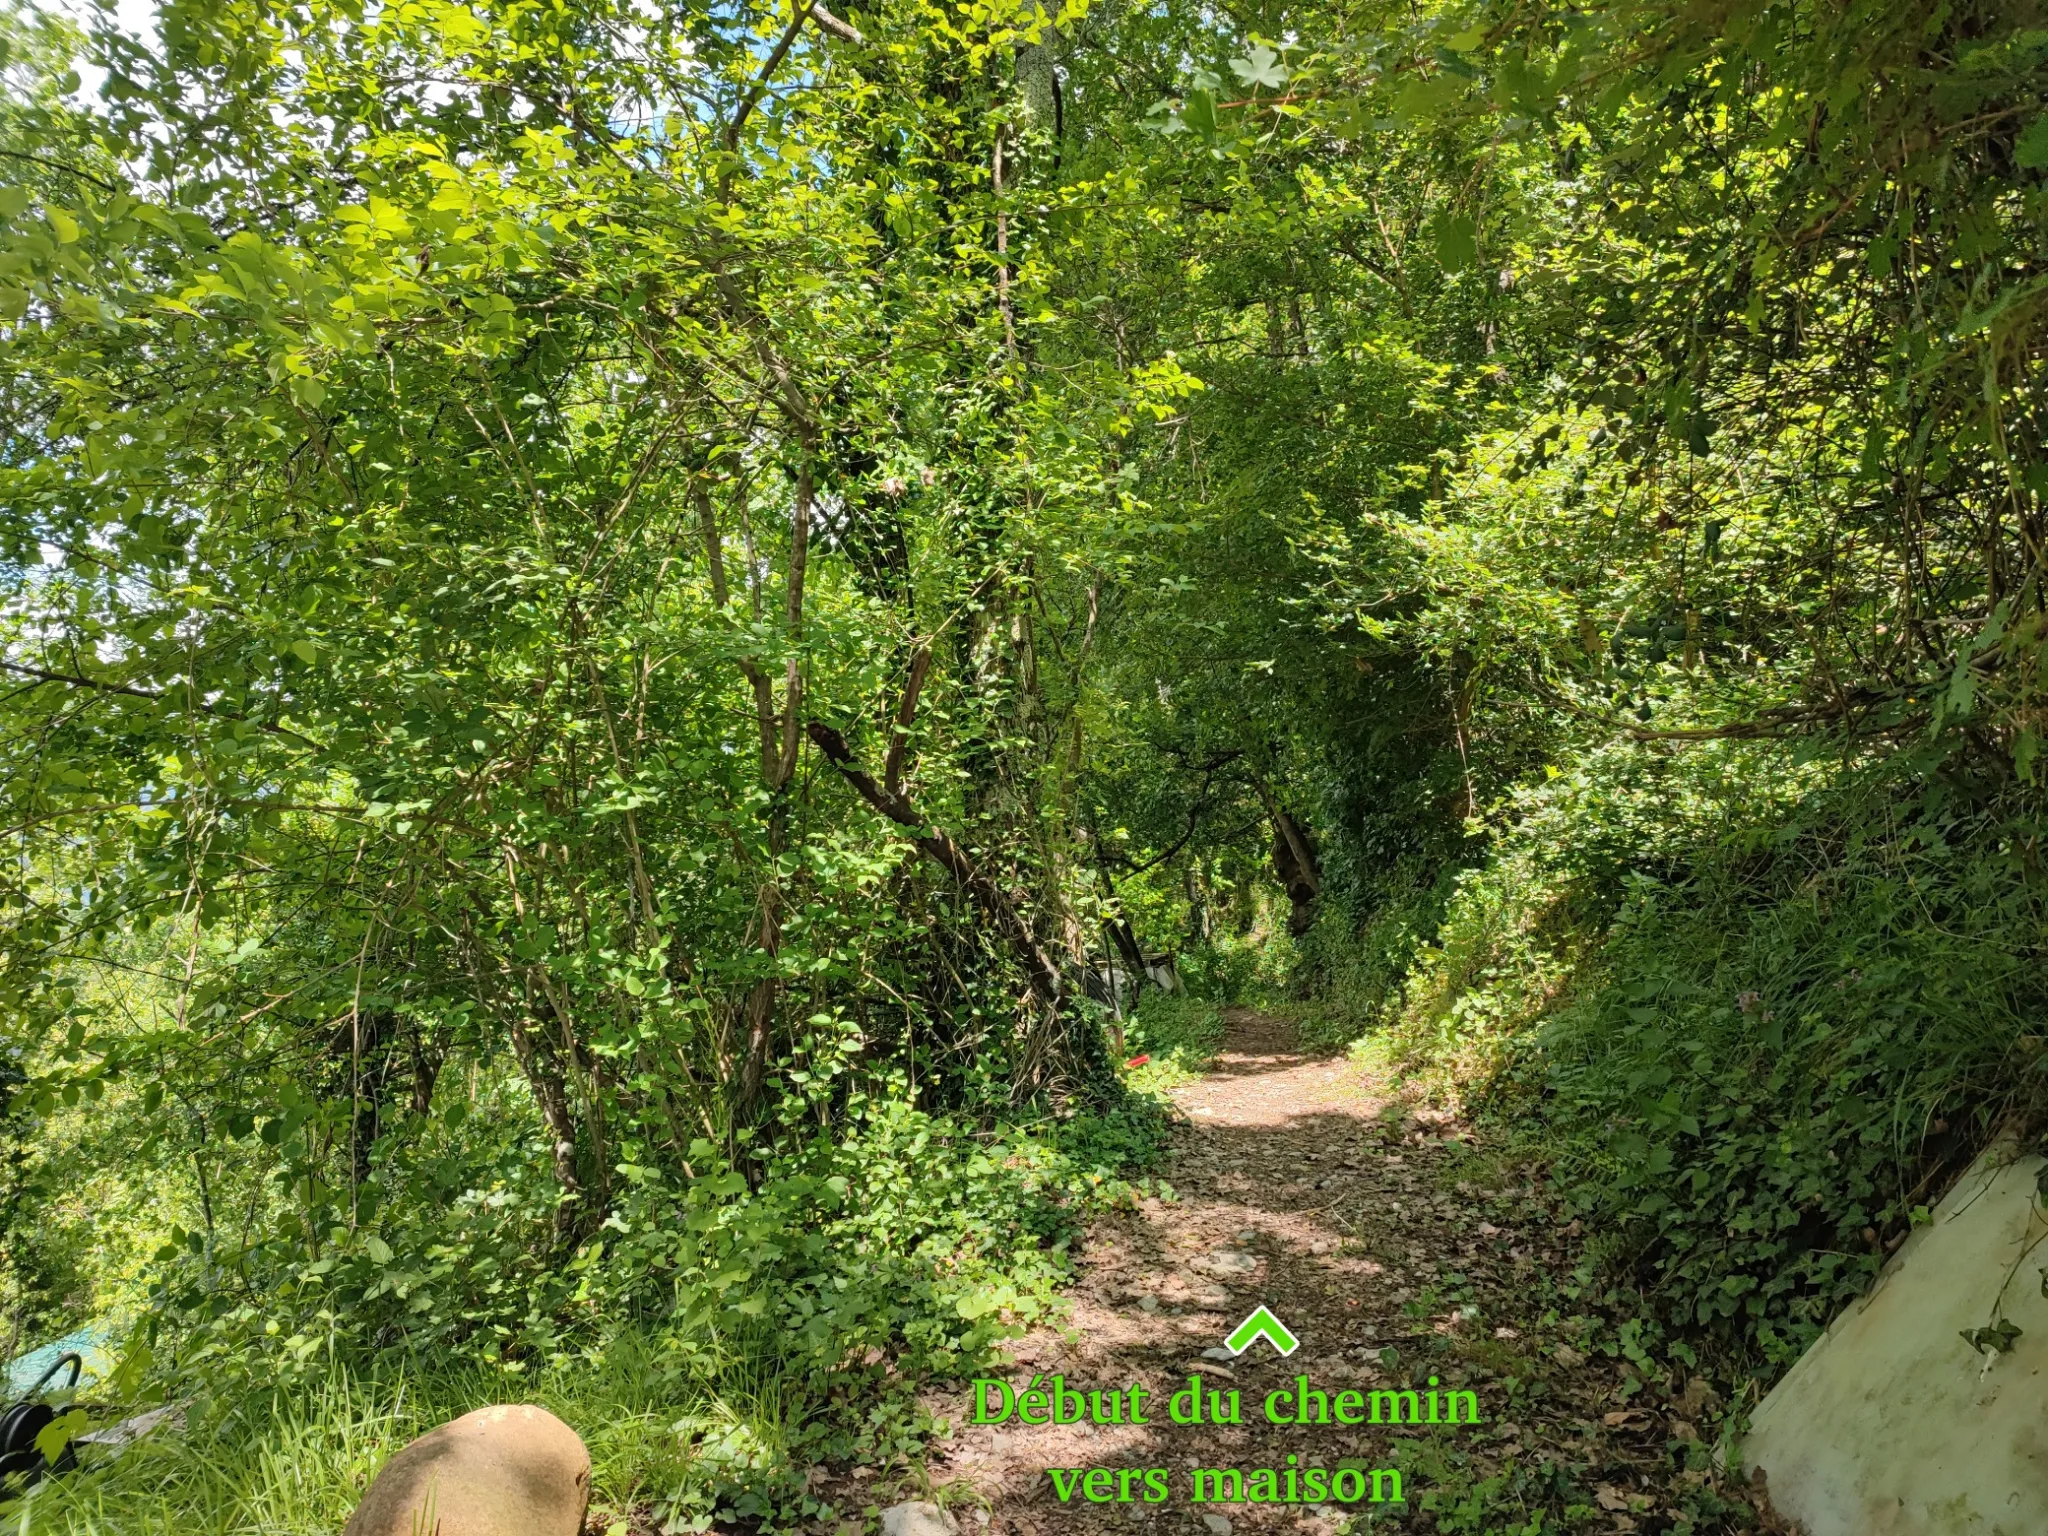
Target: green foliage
[[421, 609], [605, 611], [713, 1343], [1711, 854], [1237, 967], [921, 1236], [297, 1460], [1751, 1038], [1354, 973], [1180, 1034], [1792, 1048]]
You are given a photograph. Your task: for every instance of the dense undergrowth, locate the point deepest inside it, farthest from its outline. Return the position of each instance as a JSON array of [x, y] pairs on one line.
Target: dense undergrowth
[[1750, 1013], [1173, 1037], [714, 1343]]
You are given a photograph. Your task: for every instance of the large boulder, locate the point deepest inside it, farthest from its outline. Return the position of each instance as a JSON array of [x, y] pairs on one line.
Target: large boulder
[[918, 1519], [507, 1471], [1900, 1421]]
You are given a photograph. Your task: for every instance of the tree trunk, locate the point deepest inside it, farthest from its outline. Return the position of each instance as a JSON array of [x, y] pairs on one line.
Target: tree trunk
[[1123, 937], [1294, 862], [427, 1057], [537, 1059], [1040, 969], [780, 739]]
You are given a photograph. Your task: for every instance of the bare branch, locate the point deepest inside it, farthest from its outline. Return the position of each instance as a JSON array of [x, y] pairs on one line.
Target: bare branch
[[906, 713], [1040, 969], [75, 680], [754, 92], [844, 31]]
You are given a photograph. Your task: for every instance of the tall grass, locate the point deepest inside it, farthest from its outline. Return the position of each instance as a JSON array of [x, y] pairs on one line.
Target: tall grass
[[295, 1463]]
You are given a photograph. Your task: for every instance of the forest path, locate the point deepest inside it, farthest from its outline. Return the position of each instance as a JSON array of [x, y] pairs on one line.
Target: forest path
[[1305, 1182]]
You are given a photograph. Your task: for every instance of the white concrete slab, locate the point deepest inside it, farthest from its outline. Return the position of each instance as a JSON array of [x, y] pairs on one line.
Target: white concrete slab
[[1891, 1425]]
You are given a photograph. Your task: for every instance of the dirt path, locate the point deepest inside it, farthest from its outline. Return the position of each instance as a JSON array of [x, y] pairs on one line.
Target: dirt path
[[1302, 1183]]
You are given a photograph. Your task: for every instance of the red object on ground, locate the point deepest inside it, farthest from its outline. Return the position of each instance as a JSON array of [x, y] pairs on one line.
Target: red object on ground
[[1137, 1061]]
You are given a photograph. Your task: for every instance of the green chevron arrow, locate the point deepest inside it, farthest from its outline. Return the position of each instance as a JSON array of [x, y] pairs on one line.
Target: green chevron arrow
[[1262, 1324]]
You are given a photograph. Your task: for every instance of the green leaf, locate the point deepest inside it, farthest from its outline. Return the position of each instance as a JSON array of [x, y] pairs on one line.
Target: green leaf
[[1262, 68], [60, 1432], [134, 1365], [1457, 241], [1962, 690], [378, 1250], [2031, 149], [976, 1304], [1421, 100], [1996, 1339]]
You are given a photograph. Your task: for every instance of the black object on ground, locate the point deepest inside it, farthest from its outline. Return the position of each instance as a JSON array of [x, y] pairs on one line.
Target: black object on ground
[[21, 1422]]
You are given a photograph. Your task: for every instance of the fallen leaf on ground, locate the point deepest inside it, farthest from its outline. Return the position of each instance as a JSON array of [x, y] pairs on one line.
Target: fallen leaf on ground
[[1698, 1396]]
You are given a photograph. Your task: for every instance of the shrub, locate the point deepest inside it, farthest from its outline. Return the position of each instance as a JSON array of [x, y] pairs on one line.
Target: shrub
[[1180, 1034], [1752, 1013]]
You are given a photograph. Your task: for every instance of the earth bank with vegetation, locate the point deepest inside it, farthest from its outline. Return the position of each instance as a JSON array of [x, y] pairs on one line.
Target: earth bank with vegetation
[[624, 628]]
